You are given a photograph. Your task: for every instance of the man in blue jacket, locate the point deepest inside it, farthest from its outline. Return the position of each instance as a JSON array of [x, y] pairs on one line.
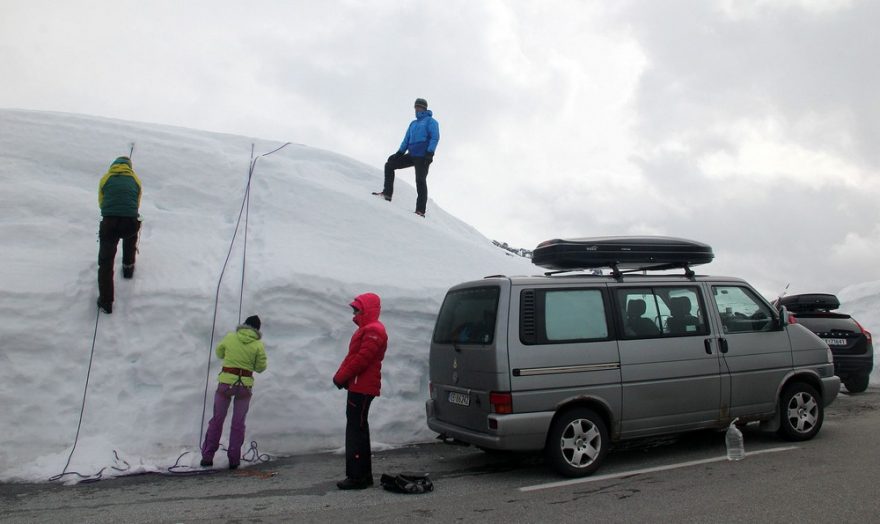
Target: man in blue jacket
[[416, 150]]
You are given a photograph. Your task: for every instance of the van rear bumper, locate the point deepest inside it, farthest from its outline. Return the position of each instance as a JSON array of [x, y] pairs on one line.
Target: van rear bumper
[[830, 389], [516, 432]]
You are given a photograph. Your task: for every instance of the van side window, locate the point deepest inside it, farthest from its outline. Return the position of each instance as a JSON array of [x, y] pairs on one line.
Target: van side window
[[661, 312], [553, 316], [741, 310]]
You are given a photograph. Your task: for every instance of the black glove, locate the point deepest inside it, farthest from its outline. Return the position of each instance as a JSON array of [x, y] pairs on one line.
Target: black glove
[[337, 384], [429, 157]]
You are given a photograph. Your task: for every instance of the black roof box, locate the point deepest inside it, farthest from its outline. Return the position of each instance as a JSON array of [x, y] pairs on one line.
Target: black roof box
[[621, 253], [810, 302]]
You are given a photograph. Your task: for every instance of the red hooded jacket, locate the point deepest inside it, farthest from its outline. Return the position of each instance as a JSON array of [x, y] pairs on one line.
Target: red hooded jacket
[[361, 370]]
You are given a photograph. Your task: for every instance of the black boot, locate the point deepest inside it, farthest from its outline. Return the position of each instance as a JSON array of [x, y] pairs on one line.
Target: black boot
[[350, 483], [106, 308], [127, 270]]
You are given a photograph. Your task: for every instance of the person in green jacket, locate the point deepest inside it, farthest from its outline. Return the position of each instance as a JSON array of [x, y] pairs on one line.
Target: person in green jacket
[[119, 196], [243, 353]]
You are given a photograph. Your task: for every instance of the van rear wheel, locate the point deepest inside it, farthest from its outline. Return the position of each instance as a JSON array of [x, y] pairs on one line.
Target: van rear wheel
[[801, 412], [577, 443]]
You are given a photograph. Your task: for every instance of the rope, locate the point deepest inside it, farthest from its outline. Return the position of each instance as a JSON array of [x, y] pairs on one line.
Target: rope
[[251, 455], [253, 451], [216, 304], [247, 198], [247, 213], [256, 457], [245, 205], [82, 408]]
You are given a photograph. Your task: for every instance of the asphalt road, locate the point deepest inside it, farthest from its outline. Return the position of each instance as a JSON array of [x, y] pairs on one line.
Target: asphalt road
[[834, 477]]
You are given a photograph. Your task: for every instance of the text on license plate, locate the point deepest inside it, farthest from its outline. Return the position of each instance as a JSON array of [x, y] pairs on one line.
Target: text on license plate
[[835, 341], [462, 399]]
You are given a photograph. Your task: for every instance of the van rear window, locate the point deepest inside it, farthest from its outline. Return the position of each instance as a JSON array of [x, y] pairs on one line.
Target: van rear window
[[468, 316]]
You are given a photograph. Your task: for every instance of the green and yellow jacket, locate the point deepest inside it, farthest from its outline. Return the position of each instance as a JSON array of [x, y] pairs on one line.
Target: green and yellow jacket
[[119, 192], [242, 349]]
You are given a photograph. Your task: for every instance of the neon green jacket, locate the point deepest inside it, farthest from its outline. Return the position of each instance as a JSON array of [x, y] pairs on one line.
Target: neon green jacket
[[119, 192], [242, 349]]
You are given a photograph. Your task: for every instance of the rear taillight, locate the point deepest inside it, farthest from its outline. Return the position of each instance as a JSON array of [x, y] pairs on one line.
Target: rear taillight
[[864, 331], [792, 319], [502, 403]]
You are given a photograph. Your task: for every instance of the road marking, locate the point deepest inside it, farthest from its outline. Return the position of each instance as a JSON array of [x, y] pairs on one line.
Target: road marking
[[632, 473]]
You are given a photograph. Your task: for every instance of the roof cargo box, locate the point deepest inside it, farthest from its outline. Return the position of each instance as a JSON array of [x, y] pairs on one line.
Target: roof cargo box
[[621, 253], [810, 302]]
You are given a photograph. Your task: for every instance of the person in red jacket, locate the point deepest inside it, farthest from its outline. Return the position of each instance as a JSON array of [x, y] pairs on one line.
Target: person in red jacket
[[361, 374]]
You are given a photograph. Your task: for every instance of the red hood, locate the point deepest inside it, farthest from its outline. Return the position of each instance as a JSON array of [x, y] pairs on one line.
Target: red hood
[[371, 306]]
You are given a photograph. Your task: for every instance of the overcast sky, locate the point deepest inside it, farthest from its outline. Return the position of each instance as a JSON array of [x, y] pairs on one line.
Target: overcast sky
[[750, 125]]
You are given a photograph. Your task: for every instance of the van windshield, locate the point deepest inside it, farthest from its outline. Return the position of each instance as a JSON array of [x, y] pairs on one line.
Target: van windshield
[[468, 316]]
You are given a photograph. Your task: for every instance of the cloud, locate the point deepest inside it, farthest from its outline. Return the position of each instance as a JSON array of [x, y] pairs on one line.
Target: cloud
[[721, 121]]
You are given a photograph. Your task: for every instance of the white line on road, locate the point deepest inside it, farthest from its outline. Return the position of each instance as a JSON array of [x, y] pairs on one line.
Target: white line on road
[[624, 474]]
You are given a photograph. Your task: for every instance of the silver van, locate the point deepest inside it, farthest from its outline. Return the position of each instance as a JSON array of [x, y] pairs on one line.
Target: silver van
[[573, 363]]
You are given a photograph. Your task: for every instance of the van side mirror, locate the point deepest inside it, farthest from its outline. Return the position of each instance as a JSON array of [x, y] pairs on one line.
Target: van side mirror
[[783, 317]]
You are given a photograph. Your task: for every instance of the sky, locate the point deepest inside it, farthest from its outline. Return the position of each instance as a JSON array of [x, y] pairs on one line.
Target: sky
[[749, 125]]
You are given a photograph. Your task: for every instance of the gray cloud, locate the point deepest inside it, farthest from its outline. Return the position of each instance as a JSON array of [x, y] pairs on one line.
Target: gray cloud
[[558, 119]]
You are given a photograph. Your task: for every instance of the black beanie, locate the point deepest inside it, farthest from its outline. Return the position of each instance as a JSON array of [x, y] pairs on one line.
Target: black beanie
[[421, 102], [253, 321]]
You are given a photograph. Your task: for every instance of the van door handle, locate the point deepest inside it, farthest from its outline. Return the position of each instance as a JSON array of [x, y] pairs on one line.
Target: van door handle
[[708, 344], [722, 344]]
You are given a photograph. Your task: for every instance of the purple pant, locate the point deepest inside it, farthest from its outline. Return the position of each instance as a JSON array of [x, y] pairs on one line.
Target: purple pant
[[240, 396]]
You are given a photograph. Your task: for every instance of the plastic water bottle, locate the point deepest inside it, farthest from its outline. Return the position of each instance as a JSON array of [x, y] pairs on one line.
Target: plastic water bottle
[[734, 441]]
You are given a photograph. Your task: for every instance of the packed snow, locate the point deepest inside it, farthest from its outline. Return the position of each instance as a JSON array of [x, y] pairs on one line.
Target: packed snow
[[315, 238]]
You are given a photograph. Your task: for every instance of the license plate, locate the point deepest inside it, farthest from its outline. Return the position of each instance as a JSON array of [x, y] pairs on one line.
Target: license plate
[[462, 399], [835, 341]]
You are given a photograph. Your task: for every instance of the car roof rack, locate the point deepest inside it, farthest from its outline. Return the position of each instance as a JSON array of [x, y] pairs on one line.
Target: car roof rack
[[618, 273]]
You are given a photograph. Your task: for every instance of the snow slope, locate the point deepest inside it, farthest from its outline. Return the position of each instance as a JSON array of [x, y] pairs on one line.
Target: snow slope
[[315, 239]]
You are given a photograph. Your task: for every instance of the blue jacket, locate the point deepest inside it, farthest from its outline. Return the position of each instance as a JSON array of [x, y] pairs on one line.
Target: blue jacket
[[422, 135]]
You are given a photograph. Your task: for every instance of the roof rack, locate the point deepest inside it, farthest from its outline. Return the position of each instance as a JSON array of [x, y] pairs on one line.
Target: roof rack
[[617, 273]]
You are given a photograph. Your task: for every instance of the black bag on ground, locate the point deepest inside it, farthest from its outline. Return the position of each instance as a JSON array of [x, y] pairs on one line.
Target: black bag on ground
[[407, 482]]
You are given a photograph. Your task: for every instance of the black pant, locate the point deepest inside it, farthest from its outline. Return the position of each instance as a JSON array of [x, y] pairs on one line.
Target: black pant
[[357, 437], [402, 162], [112, 230]]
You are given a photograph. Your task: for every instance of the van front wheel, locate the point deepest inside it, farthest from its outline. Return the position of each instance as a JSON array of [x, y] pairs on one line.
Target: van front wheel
[[577, 443], [802, 412]]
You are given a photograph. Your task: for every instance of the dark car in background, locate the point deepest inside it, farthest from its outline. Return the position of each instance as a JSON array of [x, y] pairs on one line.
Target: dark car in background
[[850, 343]]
